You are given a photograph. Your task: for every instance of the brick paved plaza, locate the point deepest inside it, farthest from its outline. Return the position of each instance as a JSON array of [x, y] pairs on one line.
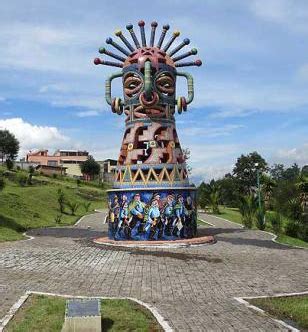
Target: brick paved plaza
[[193, 288]]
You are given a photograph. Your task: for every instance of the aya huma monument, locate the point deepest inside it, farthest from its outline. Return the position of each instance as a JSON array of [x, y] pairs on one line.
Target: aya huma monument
[[151, 197]]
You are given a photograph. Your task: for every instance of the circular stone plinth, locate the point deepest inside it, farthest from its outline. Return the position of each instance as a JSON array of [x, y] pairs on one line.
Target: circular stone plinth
[[157, 244]]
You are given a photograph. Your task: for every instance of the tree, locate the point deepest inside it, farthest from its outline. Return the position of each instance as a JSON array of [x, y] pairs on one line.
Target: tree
[[9, 145], [292, 173], [229, 190], [90, 167], [245, 170], [277, 172]]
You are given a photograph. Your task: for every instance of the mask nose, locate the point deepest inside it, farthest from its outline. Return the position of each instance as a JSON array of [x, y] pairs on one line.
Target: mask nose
[[148, 101]]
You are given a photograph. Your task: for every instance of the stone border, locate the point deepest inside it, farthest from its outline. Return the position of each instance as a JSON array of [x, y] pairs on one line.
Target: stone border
[[242, 300], [198, 241], [16, 306]]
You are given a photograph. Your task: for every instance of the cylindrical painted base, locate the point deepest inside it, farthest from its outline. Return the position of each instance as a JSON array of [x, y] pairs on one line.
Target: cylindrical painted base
[[148, 214]]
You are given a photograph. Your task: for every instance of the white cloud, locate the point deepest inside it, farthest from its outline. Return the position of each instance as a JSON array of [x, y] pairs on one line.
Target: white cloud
[[302, 72], [293, 14], [34, 137], [296, 154], [208, 131], [88, 114]]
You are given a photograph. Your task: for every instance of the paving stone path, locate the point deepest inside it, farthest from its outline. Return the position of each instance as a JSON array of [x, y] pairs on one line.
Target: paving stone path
[[193, 288]]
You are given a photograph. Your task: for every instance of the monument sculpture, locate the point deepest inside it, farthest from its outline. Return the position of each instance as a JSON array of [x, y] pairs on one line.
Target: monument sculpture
[[151, 198]]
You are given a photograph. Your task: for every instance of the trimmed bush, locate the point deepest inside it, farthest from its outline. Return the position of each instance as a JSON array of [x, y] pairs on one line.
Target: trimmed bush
[[275, 219], [292, 228]]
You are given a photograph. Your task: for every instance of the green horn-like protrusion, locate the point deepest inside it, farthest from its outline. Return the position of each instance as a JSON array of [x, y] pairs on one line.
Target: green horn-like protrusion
[[108, 86], [190, 86], [147, 79]]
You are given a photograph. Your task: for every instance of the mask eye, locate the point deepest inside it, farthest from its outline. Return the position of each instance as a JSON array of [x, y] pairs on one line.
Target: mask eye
[[165, 84], [132, 85]]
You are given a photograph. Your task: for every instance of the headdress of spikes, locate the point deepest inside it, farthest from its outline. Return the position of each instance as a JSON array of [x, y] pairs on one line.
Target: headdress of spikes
[[164, 52]]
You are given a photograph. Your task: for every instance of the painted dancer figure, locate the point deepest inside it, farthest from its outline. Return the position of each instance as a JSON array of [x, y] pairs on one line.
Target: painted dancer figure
[[114, 214], [179, 211], [154, 225], [136, 210], [168, 215], [124, 216], [190, 225]]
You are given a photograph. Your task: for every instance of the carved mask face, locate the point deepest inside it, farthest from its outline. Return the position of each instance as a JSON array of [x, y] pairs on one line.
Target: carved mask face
[[149, 91]]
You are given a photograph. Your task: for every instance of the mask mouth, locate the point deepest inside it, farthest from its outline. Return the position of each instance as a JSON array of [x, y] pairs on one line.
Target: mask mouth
[[150, 112]]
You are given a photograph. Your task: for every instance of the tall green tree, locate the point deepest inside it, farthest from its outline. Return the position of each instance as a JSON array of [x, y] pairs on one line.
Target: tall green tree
[[90, 167], [245, 170], [9, 145]]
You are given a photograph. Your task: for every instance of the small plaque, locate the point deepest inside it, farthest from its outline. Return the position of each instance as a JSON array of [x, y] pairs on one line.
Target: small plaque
[[82, 308]]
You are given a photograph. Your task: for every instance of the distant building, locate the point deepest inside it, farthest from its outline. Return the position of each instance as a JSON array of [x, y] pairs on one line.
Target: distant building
[[50, 170], [108, 168], [69, 159]]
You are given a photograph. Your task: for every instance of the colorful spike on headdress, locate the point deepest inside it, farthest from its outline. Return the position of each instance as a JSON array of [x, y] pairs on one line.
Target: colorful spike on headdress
[[143, 44]]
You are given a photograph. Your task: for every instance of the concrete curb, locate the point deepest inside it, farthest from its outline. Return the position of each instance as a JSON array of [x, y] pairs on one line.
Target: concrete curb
[[242, 300], [13, 310]]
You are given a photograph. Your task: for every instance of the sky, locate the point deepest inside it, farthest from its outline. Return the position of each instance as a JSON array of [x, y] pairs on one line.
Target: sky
[[251, 94]]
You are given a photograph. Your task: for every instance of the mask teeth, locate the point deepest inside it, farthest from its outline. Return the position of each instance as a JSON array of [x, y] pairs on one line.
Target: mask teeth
[[172, 39], [193, 51], [102, 50], [154, 26], [117, 46], [119, 34], [185, 42], [142, 32], [197, 63], [129, 27], [98, 61], [163, 34]]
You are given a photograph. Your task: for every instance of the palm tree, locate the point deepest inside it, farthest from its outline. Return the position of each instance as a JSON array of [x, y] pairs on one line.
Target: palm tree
[[248, 208], [267, 187], [212, 191]]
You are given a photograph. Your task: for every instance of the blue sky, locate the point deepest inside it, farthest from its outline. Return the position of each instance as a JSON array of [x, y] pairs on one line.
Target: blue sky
[[251, 92]]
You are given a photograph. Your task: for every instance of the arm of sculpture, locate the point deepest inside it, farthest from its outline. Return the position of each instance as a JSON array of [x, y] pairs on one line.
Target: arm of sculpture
[[182, 102], [115, 103]]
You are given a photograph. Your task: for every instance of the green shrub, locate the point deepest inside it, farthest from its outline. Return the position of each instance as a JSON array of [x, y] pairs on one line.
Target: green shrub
[[9, 164], [73, 206], [58, 218], [22, 179], [248, 209], [292, 228], [54, 175], [260, 219], [86, 206], [275, 219], [2, 183], [303, 231], [61, 200]]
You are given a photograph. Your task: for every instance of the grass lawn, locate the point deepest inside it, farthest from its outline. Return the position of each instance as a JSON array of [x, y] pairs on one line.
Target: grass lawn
[[36, 205], [231, 214], [294, 308], [285, 239], [234, 215], [46, 313]]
